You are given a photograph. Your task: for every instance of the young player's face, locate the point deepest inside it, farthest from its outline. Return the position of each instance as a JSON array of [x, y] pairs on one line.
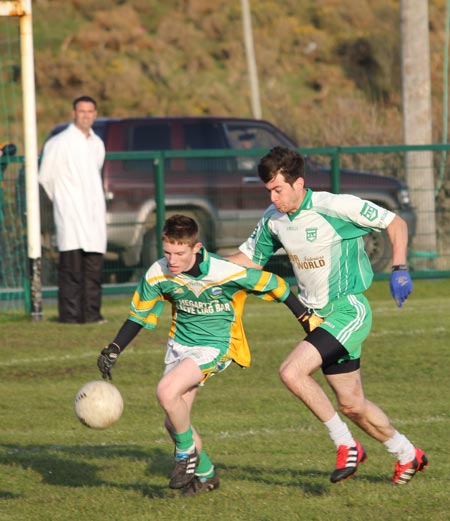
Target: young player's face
[[84, 115], [180, 257], [286, 198]]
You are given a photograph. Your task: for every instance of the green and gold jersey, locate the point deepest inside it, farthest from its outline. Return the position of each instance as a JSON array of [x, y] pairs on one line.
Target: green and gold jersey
[[206, 310], [324, 242]]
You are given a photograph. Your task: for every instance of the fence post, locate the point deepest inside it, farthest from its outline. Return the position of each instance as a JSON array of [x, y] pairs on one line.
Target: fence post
[[335, 172], [160, 201]]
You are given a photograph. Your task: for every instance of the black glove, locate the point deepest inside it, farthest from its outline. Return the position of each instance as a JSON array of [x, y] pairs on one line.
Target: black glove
[[106, 360], [309, 321]]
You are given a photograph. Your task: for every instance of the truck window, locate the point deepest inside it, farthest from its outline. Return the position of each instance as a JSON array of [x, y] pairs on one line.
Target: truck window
[[203, 135], [244, 136], [206, 135], [254, 136], [149, 137], [99, 129]]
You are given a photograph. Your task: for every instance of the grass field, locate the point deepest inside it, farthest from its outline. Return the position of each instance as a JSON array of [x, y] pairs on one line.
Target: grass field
[[273, 457]]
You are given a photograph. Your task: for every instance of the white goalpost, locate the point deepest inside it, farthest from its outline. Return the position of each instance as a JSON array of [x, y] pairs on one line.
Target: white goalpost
[[22, 10]]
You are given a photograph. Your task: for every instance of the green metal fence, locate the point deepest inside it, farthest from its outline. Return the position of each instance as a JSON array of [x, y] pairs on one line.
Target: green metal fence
[[220, 188], [13, 259]]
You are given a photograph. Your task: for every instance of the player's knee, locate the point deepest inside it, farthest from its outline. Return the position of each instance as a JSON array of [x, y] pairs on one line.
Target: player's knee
[[163, 395], [297, 368], [352, 410], [288, 374]]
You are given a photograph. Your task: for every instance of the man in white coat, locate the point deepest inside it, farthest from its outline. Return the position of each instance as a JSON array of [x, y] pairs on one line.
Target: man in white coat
[[70, 173]]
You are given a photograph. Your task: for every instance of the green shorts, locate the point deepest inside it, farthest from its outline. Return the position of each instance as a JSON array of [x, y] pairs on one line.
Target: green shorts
[[348, 320]]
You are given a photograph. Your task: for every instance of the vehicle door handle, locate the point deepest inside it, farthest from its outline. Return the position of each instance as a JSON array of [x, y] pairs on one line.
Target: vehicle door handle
[[251, 179]]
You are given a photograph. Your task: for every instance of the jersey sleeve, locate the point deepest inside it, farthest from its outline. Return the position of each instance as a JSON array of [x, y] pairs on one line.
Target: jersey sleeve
[[147, 303], [364, 214], [262, 243], [266, 285]]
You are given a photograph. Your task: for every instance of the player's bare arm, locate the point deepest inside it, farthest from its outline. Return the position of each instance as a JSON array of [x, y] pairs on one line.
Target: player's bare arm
[[242, 259], [398, 235]]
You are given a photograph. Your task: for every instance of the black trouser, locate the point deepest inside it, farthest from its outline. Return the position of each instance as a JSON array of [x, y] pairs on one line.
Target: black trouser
[[80, 286]]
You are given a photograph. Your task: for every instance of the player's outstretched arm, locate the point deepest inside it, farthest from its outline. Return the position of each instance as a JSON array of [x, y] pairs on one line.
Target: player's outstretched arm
[[108, 356], [242, 260]]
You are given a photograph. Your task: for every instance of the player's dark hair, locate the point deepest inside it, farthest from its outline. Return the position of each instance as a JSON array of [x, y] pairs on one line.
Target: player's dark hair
[[284, 161], [180, 229], [83, 98]]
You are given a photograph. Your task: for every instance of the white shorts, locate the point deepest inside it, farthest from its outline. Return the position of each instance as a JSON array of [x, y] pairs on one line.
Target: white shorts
[[209, 359]]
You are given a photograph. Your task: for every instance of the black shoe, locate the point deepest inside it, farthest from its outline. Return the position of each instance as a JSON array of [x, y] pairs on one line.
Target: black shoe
[[100, 320], [184, 470], [200, 485]]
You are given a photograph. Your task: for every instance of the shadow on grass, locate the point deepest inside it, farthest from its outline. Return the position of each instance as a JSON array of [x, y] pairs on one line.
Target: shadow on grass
[[311, 481], [9, 495], [68, 466]]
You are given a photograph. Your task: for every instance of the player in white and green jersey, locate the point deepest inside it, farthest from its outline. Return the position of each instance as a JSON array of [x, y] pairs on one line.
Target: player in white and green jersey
[[207, 294], [324, 241], [322, 233]]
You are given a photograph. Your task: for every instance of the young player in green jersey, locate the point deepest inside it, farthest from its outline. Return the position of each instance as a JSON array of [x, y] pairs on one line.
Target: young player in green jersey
[[207, 294], [322, 235]]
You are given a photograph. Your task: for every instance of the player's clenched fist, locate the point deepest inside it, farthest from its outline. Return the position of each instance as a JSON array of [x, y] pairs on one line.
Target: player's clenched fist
[[309, 321], [401, 284], [106, 360]]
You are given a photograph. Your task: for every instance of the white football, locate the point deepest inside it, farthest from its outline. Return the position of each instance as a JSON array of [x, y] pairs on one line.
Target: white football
[[98, 404]]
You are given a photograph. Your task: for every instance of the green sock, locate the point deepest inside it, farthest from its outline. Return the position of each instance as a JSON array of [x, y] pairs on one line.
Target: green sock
[[205, 467], [184, 441]]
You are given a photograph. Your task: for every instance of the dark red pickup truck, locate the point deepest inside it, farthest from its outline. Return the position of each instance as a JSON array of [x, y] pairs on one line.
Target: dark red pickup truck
[[223, 193]]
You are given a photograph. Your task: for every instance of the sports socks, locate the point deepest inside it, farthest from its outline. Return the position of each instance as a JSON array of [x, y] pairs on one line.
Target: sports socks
[[400, 447], [339, 432], [184, 442], [205, 467]]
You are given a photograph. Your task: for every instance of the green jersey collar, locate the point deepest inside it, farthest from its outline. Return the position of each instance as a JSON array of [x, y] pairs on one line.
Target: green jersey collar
[[201, 265], [204, 265], [306, 205]]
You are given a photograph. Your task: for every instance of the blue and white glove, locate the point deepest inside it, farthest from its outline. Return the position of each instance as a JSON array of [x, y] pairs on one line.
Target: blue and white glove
[[401, 284]]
